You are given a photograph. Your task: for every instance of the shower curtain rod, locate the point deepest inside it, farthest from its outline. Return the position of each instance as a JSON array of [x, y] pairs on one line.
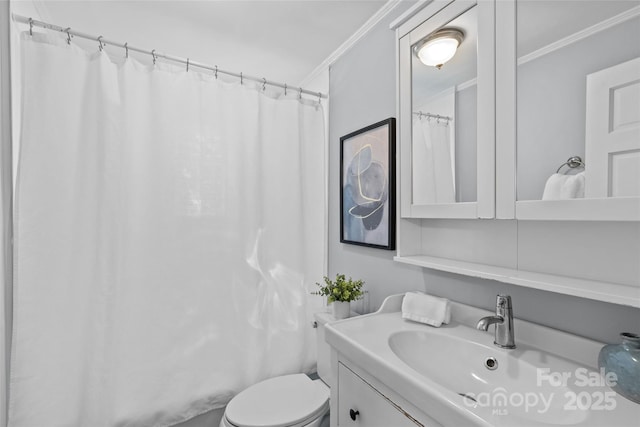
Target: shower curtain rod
[[420, 115], [104, 42]]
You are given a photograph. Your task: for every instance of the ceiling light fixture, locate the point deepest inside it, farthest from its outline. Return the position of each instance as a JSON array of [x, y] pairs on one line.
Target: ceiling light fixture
[[438, 48]]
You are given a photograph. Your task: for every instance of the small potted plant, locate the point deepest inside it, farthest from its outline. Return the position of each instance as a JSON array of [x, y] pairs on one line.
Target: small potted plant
[[340, 293]]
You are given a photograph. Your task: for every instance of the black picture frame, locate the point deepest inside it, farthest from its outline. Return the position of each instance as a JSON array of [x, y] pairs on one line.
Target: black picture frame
[[368, 186]]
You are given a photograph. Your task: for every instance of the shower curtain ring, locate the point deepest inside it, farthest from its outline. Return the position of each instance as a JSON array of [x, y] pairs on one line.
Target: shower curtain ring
[[126, 50], [153, 54], [30, 26], [285, 89], [264, 84], [216, 72], [319, 98], [187, 65], [241, 80], [300, 93], [68, 35], [100, 45]]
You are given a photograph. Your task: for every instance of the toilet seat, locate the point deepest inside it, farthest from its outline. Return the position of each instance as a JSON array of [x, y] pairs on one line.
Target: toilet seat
[[285, 401]]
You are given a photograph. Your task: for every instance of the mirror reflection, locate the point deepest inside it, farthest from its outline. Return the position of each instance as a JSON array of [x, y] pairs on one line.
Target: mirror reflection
[[443, 66], [578, 99]]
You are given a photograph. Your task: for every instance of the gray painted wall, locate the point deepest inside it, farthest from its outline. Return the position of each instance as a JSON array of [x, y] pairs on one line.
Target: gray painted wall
[[363, 91]]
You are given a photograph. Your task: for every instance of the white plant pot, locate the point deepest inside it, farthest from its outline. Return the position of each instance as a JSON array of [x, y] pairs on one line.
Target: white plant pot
[[341, 309]]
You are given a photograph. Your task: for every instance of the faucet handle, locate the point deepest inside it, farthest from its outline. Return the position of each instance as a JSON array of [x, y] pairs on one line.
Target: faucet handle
[[503, 302]]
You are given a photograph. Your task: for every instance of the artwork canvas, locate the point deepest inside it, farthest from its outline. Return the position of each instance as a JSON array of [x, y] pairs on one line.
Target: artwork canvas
[[367, 186]]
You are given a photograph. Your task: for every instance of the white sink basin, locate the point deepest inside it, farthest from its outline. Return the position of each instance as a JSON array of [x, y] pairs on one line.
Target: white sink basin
[[551, 377], [510, 382]]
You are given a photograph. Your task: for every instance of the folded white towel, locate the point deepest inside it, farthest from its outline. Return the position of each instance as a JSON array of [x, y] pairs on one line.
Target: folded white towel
[[560, 187], [425, 308]]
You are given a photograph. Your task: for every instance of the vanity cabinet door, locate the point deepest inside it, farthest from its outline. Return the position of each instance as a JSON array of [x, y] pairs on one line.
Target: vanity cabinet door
[[359, 404]]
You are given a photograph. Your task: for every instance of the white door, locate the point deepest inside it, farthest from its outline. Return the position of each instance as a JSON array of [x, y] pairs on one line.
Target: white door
[[613, 131]]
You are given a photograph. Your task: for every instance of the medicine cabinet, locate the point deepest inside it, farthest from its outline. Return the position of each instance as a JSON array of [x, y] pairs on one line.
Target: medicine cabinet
[[537, 93], [447, 140], [535, 117], [576, 99]]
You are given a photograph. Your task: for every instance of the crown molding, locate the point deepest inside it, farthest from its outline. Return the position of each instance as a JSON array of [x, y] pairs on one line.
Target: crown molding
[[409, 13], [580, 35]]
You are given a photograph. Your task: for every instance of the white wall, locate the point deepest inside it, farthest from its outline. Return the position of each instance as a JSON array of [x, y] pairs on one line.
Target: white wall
[[363, 91]]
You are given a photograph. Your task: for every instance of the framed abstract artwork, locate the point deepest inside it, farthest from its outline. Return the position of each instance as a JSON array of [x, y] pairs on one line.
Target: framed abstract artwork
[[367, 186]]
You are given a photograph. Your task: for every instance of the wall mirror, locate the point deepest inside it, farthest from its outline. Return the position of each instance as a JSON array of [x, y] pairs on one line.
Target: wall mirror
[[444, 78], [444, 114], [578, 101]]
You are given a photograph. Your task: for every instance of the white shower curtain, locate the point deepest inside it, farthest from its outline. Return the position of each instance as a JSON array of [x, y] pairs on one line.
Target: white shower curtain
[[169, 231], [433, 167]]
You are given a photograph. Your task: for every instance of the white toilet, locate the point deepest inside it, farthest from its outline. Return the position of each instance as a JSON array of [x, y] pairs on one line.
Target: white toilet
[[289, 400]]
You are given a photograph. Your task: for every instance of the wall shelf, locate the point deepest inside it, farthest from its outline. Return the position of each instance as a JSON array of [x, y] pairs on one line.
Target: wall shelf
[[602, 291]]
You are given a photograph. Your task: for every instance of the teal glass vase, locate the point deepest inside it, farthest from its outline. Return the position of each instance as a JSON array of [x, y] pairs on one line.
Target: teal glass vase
[[623, 360]]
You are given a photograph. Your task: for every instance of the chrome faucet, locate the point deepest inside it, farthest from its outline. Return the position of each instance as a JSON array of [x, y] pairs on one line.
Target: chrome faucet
[[504, 322]]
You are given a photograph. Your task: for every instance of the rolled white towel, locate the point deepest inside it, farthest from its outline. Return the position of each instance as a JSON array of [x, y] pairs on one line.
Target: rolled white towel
[[560, 187], [425, 308]]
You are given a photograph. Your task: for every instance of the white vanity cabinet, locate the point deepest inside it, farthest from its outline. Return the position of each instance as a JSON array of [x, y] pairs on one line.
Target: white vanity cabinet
[[359, 403], [397, 373]]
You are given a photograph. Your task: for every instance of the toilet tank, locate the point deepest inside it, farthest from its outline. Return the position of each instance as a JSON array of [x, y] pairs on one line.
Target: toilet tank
[[324, 350]]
